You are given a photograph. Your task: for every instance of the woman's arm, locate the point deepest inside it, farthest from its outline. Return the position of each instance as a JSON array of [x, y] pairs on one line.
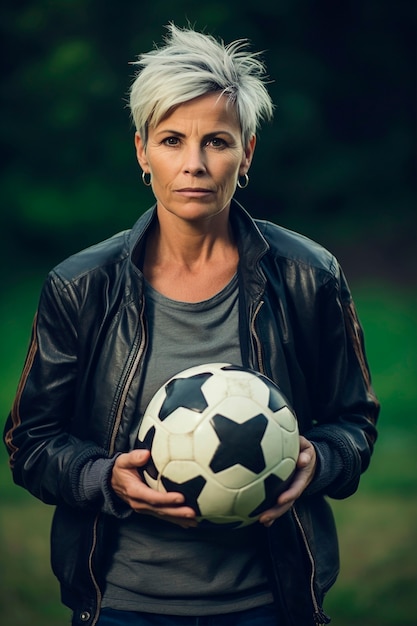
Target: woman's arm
[[46, 458]]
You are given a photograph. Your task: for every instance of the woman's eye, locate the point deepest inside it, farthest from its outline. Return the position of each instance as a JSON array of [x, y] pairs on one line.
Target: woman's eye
[[171, 141], [216, 142]]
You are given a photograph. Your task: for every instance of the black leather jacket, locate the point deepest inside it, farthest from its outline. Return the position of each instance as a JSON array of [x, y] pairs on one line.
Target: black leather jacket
[[76, 401]]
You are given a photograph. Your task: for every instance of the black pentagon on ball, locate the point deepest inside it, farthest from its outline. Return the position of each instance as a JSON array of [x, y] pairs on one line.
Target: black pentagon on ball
[[190, 489], [276, 400], [146, 444], [239, 444], [184, 392], [274, 486]]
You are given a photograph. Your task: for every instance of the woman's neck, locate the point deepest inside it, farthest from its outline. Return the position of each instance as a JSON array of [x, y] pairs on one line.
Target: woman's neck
[[188, 263]]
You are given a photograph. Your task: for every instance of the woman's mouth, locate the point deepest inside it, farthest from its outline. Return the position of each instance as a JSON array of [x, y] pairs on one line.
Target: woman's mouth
[[194, 192]]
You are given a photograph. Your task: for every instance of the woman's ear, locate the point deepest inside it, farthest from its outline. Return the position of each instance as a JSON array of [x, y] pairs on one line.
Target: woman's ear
[[248, 155], [141, 153]]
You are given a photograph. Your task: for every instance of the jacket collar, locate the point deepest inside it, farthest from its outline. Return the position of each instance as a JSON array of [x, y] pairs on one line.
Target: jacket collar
[[252, 247], [251, 244], [137, 235]]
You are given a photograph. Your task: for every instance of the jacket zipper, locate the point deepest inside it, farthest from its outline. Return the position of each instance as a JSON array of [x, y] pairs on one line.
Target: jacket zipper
[[122, 398], [128, 382], [90, 567], [257, 347], [320, 617]]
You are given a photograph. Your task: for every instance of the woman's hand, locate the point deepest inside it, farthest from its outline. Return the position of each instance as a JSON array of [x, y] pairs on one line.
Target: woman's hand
[[305, 468], [128, 485]]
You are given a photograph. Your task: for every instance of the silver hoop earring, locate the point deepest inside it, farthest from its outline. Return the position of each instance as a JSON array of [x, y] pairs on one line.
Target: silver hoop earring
[[245, 182], [147, 183]]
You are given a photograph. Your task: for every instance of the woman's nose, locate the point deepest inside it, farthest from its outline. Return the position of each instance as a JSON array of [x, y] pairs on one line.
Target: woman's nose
[[194, 162]]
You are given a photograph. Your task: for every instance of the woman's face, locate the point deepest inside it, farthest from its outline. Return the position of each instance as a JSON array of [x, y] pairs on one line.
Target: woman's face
[[195, 156]]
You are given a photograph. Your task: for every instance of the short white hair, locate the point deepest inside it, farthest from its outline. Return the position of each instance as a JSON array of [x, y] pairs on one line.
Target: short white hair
[[192, 64]]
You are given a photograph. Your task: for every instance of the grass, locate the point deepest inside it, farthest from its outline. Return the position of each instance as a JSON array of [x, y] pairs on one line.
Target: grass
[[378, 544], [29, 593], [377, 526]]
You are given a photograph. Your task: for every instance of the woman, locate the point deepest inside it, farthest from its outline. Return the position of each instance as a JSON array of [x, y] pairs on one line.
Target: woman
[[195, 280]]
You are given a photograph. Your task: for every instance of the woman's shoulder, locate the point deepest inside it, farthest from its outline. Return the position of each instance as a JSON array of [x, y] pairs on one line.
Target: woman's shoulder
[[292, 247], [95, 258], [104, 255]]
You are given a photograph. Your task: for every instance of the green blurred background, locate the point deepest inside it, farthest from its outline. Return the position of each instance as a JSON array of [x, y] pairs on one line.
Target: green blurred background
[[337, 164]]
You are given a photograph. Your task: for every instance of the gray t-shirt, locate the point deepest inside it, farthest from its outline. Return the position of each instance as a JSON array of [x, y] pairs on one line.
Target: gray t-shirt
[[159, 567]]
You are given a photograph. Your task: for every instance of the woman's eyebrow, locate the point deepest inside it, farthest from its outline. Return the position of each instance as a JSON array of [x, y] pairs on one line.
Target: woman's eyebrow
[[178, 133]]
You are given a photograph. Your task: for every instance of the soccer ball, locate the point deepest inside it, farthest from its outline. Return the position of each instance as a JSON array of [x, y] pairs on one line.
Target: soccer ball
[[225, 437]]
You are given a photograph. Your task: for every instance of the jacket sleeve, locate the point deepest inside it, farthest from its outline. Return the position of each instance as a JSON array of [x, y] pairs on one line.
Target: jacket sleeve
[[345, 406], [46, 458]]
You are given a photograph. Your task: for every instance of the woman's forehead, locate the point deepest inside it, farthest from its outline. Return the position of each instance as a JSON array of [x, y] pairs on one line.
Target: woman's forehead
[[211, 108]]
